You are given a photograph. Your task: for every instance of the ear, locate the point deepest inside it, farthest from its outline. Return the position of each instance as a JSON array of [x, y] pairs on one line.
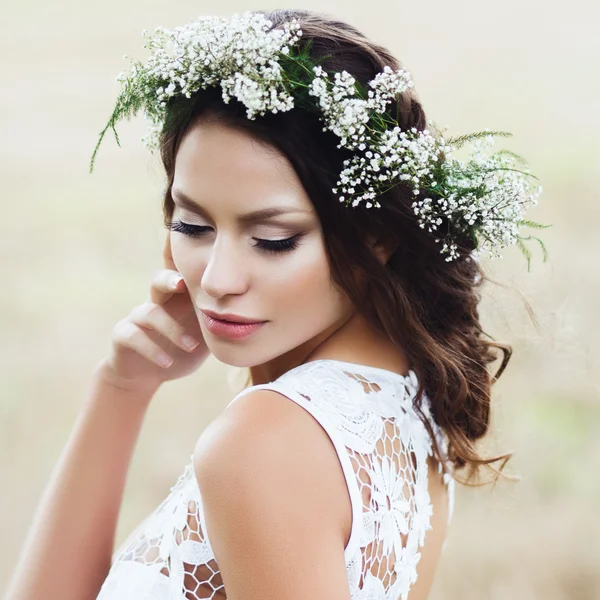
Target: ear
[[382, 252], [168, 261]]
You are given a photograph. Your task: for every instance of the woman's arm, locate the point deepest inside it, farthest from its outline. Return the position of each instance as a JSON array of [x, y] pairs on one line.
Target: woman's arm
[[68, 550]]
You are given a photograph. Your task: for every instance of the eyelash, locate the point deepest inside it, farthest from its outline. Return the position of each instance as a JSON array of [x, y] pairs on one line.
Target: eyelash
[[273, 246]]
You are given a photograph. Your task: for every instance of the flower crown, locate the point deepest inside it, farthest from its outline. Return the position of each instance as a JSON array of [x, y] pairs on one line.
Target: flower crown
[[268, 70]]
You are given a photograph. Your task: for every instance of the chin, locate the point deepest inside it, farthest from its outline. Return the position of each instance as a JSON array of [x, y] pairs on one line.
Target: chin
[[241, 358]]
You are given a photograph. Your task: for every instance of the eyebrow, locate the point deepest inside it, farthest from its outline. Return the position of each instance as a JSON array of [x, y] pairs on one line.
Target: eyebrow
[[256, 216]]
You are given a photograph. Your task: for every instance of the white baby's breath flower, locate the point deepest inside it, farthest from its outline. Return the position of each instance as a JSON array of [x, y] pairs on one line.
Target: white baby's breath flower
[[484, 196]]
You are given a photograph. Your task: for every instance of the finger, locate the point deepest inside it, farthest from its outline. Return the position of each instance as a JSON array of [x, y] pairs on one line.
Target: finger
[[164, 284], [153, 316], [128, 335]]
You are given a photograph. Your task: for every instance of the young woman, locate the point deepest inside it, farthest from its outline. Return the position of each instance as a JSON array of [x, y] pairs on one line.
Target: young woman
[[332, 475]]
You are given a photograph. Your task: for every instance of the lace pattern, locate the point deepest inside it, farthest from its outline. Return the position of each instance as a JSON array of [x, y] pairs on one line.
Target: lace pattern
[[383, 448]]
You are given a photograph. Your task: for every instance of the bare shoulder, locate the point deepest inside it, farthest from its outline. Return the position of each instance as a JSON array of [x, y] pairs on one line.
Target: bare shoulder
[[273, 493], [267, 434]]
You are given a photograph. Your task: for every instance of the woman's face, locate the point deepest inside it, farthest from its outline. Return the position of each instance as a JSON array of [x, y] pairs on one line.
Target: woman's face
[[272, 268]]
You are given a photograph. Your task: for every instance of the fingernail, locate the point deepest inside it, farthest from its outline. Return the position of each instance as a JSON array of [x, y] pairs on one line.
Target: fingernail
[[164, 360], [189, 342], [175, 280]]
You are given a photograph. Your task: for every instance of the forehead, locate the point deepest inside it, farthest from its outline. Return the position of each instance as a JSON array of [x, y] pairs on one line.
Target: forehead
[[216, 161]]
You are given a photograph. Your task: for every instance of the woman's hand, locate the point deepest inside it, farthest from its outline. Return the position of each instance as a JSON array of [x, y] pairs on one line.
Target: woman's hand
[[90, 476], [155, 331]]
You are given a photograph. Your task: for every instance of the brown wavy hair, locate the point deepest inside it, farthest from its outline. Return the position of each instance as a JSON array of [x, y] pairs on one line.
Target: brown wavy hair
[[427, 306]]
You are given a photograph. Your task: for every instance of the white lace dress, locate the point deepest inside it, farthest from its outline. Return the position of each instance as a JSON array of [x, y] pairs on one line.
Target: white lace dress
[[381, 443]]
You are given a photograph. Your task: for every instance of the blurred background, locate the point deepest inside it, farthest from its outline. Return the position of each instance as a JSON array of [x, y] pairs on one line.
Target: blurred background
[[78, 252]]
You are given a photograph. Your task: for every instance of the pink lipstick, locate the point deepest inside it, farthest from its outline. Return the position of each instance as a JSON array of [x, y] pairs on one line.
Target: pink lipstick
[[230, 329]]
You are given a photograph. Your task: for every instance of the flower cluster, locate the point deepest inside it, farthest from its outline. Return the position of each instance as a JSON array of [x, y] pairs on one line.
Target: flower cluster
[[487, 195], [409, 156], [267, 69], [345, 112], [239, 54]]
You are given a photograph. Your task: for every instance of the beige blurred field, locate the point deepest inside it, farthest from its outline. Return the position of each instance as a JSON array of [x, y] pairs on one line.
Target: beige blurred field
[[78, 251]]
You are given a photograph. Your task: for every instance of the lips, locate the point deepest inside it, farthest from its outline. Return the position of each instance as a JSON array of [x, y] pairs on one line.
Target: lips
[[230, 318], [229, 329]]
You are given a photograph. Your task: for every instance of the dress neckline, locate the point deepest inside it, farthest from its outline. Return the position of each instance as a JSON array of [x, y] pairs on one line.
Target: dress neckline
[[411, 376]]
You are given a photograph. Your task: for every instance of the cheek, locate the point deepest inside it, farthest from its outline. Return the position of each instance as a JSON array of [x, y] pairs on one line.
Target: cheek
[[189, 261], [304, 288]]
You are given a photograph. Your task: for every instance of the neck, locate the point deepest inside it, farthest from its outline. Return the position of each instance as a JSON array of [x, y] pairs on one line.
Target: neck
[[352, 339]]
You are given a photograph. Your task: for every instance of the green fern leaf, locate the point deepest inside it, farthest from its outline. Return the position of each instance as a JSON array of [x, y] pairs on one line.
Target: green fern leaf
[[461, 140], [525, 251]]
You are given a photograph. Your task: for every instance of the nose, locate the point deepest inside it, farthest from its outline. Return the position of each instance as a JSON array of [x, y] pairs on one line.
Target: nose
[[225, 271]]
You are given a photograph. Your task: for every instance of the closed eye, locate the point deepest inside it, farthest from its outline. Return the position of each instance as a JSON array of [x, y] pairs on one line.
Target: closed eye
[[275, 246]]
